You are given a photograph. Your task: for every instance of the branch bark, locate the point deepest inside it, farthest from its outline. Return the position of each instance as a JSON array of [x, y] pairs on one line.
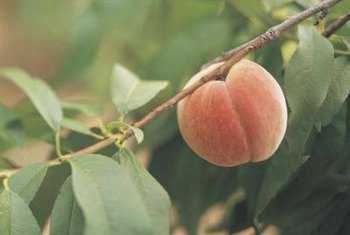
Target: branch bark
[[336, 25], [230, 57]]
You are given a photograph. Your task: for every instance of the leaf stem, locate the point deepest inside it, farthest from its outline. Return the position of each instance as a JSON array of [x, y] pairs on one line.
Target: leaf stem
[[58, 144]]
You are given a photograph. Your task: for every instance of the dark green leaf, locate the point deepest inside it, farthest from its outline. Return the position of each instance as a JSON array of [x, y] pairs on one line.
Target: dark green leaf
[[15, 216], [42, 96], [337, 91], [107, 196], [129, 92], [87, 107], [155, 198], [67, 218], [27, 181], [307, 80]]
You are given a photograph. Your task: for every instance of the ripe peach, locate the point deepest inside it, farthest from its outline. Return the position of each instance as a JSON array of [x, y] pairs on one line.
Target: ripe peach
[[231, 122]]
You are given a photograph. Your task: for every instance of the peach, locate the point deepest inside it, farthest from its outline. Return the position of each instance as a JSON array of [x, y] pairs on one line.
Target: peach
[[231, 122]]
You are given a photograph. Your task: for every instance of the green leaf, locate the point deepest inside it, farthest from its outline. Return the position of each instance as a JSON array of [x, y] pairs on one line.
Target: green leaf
[[42, 96], [308, 74], [15, 216], [27, 181], [129, 92], [78, 127], [107, 196], [90, 108], [337, 91], [155, 198], [67, 218], [307, 80], [139, 135]]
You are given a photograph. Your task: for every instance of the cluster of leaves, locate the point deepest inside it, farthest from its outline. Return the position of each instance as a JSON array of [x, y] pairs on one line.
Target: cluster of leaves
[[104, 195]]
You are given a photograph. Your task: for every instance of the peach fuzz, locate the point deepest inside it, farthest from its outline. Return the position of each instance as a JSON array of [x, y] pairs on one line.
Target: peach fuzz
[[235, 121]]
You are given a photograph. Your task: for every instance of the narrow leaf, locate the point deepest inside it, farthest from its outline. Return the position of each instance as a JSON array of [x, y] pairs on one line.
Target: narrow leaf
[[78, 127], [15, 216], [129, 92], [337, 92], [155, 198], [87, 107], [42, 96], [27, 181], [107, 196], [67, 218]]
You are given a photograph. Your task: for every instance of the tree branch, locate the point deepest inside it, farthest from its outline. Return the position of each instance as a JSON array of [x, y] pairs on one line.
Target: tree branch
[[230, 57], [336, 25]]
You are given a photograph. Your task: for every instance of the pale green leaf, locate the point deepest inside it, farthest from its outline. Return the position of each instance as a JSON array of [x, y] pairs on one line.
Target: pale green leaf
[[107, 196], [138, 133], [27, 181], [155, 198], [78, 127], [15, 216], [129, 92], [67, 218], [42, 96], [90, 108]]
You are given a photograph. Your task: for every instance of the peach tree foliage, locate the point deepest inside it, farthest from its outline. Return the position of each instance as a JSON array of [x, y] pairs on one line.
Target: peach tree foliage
[[104, 195], [302, 189]]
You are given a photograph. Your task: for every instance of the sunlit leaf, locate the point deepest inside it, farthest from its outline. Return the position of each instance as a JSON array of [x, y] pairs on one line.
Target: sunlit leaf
[[129, 92], [102, 187]]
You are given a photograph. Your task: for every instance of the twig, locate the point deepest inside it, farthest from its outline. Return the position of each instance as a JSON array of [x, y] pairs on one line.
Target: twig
[[336, 25], [340, 52], [231, 57]]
